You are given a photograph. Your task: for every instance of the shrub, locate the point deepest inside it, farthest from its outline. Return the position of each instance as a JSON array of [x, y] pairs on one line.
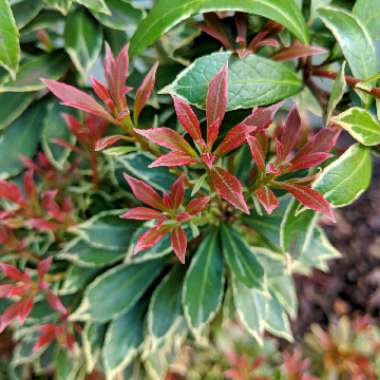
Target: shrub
[[131, 219]]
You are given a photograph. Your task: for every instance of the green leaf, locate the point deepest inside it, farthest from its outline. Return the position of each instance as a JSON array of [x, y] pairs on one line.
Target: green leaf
[[92, 338], [12, 106], [83, 254], [124, 16], [253, 81], [25, 11], [203, 288], [343, 181], [275, 264], [21, 138], [241, 259], [107, 230], [50, 66], [368, 12], [361, 125], [67, 365], [83, 40], [95, 5], [165, 309], [55, 127], [337, 92], [354, 40], [62, 6], [285, 290], [77, 278], [117, 290], [250, 307], [9, 39], [123, 339], [276, 320], [296, 229], [167, 13], [137, 165]]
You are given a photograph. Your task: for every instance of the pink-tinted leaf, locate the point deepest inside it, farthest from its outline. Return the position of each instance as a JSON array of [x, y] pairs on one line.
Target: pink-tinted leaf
[[47, 336], [24, 309], [41, 224], [235, 137], [297, 51], [216, 104], [311, 199], [268, 42], [144, 92], [290, 132], [179, 243], [241, 27], [55, 303], [29, 185], [280, 150], [66, 145], [173, 159], [167, 138], [178, 191], [96, 126], [188, 120], [261, 118], [101, 90], [267, 198], [10, 290], [107, 141], [144, 192], [141, 213], [44, 266], [208, 159], [167, 200], [10, 192], [229, 188], [215, 28], [309, 160], [323, 141], [13, 273], [197, 205], [150, 238], [257, 152], [72, 97], [8, 316]]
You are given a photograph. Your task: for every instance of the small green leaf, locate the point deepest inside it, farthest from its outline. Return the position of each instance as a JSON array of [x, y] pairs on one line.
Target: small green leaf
[[250, 307], [12, 106], [95, 5], [77, 278], [21, 138], [62, 6], [203, 288], [67, 365], [361, 125], [123, 339], [368, 11], [9, 39], [241, 259], [107, 230], [296, 229], [25, 11], [337, 92], [119, 150], [284, 288], [354, 40], [343, 181], [50, 66], [83, 254], [92, 338], [83, 40], [165, 309], [167, 13], [253, 81], [275, 264], [117, 290], [124, 16]]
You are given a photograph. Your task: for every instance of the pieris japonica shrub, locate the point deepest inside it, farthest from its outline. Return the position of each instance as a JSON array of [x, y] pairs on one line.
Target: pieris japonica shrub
[[167, 167]]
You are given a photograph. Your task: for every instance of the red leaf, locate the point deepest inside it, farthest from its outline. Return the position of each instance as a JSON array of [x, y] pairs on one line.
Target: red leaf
[[216, 104], [13, 273], [179, 243], [309, 160], [311, 199], [141, 213], [188, 120], [290, 132], [10, 290], [24, 309], [323, 141], [208, 159], [41, 224], [297, 51], [55, 303], [172, 159], [229, 188], [235, 137], [72, 97], [44, 266], [101, 90], [261, 118], [150, 238], [8, 316], [257, 152], [280, 150], [144, 192], [267, 198], [167, 138], [215, 28], [107, 141], [178, 191], [144, 92], [241, 26], [47, 336], [10, 192], [197, 205], [29, 184], [268, 42]]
